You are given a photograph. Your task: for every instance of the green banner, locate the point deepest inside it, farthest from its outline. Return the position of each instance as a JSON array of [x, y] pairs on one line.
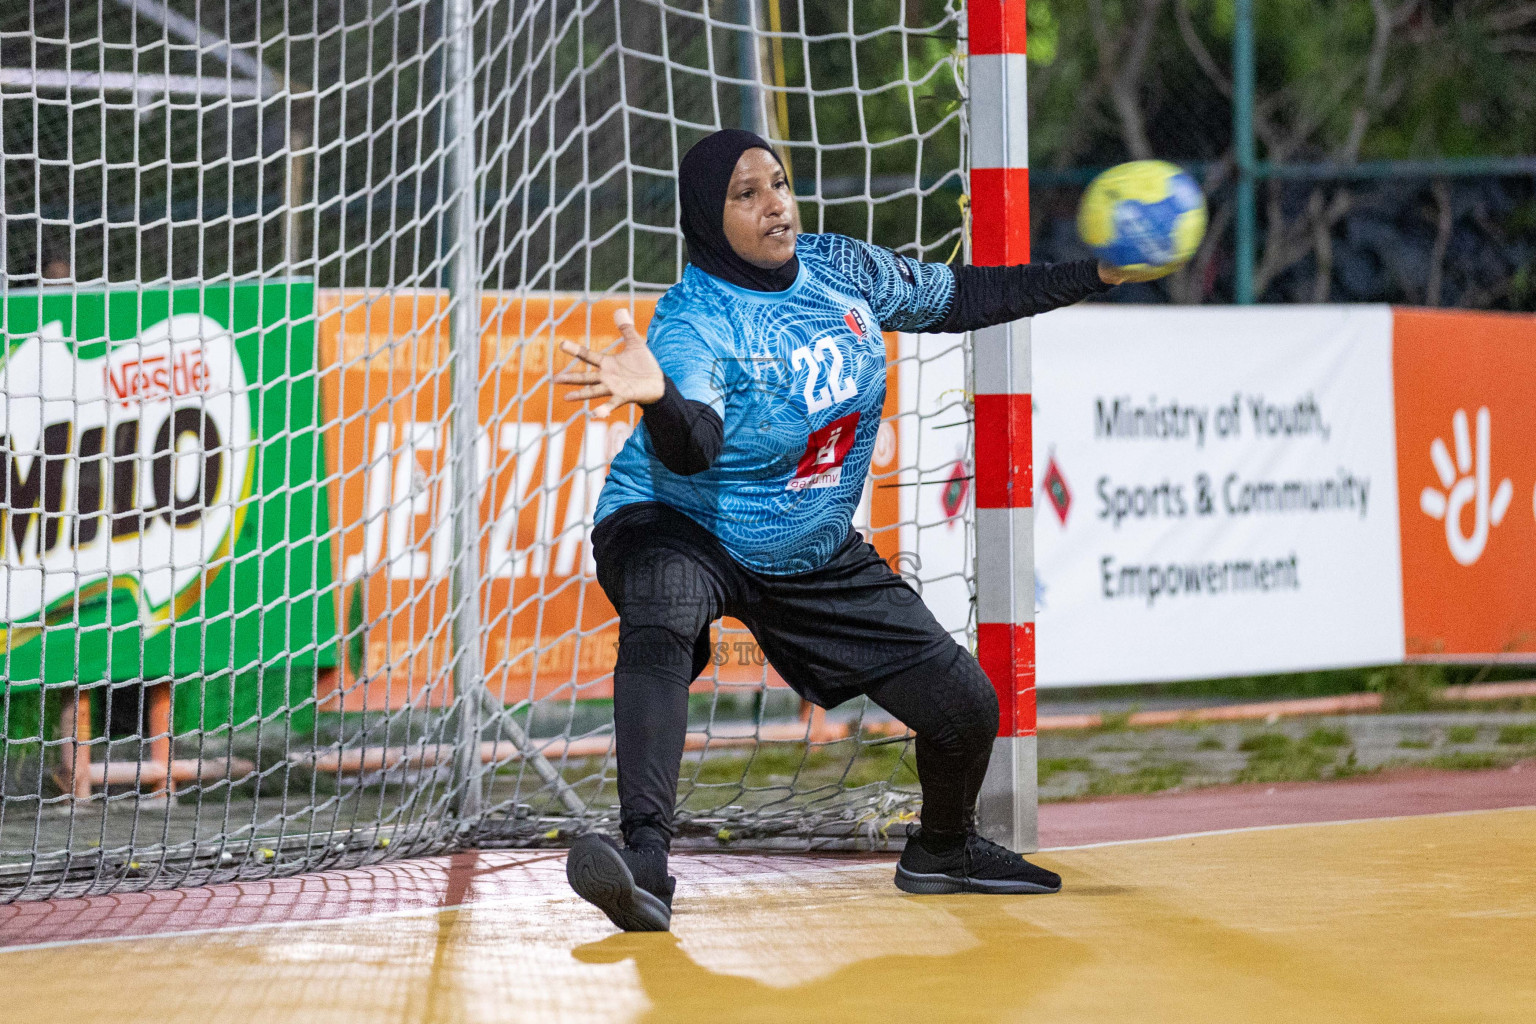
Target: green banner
[[161, 512]]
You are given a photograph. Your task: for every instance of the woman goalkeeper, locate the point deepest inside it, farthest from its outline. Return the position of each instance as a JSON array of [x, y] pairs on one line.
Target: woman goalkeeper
[[761, 389]]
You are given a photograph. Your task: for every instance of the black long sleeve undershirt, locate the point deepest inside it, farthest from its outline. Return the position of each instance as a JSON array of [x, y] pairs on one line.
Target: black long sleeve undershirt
[[686, 435], [987, 296]]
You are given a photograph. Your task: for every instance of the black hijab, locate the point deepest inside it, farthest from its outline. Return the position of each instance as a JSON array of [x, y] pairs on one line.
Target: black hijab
[[702, 181]]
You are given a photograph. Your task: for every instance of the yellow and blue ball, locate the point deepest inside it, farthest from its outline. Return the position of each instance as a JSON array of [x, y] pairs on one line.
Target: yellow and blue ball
[[1146, 217]]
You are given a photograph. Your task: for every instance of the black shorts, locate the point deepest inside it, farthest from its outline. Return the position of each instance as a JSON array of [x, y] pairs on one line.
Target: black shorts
[[831, 633]]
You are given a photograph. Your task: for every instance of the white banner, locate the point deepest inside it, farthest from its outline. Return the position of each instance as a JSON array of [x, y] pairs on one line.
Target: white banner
[[1216, 492]]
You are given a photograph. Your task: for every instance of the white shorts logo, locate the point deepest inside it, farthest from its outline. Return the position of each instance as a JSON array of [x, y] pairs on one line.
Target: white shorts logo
[[1465, 487]]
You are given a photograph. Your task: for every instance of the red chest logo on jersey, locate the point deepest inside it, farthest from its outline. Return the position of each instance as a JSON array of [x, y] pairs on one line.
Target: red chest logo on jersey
[[855, 321], [822, 463]]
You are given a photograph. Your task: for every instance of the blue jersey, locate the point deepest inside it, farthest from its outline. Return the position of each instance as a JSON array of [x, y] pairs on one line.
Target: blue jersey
[[798, 378]]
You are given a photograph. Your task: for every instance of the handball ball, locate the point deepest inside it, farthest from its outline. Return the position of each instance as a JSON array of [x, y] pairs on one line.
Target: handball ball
[[1146, 217]]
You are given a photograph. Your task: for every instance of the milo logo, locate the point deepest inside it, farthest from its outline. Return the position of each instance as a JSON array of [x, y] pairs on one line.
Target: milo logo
[[119, 474]]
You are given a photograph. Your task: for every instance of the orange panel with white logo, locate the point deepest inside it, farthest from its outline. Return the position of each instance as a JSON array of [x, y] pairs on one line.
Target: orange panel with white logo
[[1465, 387], [386, 397]]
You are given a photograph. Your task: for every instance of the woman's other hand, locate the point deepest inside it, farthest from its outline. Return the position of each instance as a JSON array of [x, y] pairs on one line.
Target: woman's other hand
[[628, 373]]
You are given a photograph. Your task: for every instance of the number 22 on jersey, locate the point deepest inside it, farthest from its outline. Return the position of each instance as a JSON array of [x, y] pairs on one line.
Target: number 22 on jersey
[[821, 395]]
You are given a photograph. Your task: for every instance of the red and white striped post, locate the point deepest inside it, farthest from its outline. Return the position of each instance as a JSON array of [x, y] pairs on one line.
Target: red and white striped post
[[1005, 564]]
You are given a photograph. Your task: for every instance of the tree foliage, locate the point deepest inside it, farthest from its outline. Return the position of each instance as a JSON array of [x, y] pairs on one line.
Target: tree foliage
[[1339, 82], [578, 191]]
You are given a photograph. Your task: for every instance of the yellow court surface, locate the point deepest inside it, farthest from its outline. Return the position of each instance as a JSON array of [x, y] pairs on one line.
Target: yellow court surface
[[1395, 920]]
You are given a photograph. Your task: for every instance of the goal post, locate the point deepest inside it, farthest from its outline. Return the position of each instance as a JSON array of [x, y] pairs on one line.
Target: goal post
[[1005, 576], [295, 558]]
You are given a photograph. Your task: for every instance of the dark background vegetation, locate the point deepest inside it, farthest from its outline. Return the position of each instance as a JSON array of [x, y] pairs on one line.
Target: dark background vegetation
[[1344, 82], [584, 108]]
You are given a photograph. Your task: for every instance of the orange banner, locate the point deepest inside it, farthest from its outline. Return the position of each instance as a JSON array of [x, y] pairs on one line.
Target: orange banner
[[541, 460], [1465, 386]]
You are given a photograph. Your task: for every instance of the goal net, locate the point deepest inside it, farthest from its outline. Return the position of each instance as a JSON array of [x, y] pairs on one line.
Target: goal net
[[294, 557]]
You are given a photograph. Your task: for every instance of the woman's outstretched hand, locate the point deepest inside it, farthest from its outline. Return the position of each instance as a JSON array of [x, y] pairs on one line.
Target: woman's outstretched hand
[[1111, 274], [628, 373]]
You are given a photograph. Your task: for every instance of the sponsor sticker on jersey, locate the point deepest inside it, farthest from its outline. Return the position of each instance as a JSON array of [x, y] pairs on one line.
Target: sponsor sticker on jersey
[[855, 321], [822, 463]]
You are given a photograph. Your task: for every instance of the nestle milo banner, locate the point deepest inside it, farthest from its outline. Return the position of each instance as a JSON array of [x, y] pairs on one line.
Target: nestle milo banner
[[159, 508]]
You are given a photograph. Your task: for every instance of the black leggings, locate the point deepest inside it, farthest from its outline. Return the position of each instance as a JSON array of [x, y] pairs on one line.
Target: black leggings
[[849, 627]]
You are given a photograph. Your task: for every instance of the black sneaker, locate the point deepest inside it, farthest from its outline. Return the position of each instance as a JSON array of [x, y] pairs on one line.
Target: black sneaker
[[631, 886], [974, 865]]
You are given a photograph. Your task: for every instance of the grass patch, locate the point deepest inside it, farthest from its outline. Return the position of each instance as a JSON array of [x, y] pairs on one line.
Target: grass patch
[[776, 764], [1266, 743], [1518, 735], [1275, 757], [1467, 761], [1461, 734], [1150, 778], [770, 760], [1350, 768], [1116, 721], [1050, 767], [1408, 687], [1410, 743], [1327, 738], [1210, 743]]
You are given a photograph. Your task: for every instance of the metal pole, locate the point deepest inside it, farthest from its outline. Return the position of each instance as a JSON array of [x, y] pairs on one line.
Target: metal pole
[[506, 726], [464, 340], [1000, 361], [1242, 143], [298, 143], [780, 120], [746, 67]]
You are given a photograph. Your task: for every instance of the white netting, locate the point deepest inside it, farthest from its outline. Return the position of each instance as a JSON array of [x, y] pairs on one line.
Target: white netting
[[245, 631]]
